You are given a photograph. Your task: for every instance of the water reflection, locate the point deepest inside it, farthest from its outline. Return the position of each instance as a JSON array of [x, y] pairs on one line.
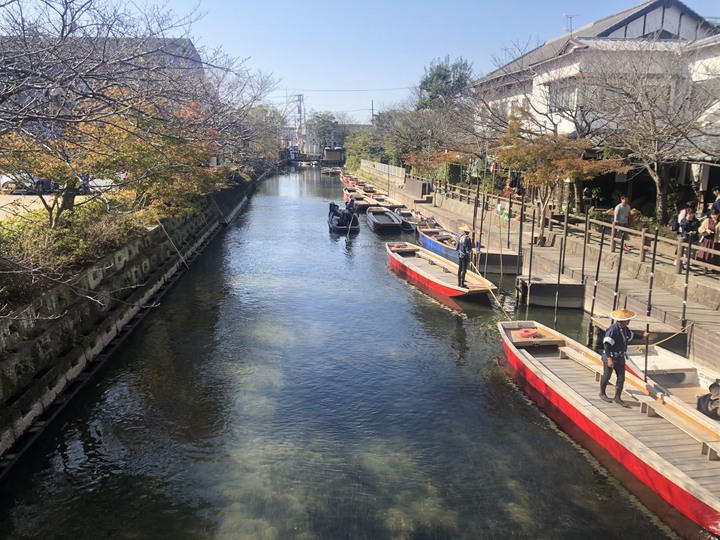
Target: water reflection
[[292, 386]]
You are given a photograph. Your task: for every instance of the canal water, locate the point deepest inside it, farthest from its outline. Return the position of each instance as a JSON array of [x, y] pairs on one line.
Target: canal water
[[291, 386]]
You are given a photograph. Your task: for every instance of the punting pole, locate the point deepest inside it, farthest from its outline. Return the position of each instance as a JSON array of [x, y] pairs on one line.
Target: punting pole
[[557, 287], [484, 198], [532, 243], [482, 210], [582, 271], [683, 322], [649, 304], [487, 245], [500, 244], [352, 218], [617, 277], [475, 206], [597, 276], [520, 235], [563, 246], [509, 217]]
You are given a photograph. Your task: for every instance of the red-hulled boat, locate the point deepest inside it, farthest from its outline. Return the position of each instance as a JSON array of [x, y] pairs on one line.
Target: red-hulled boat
[[431, 272], [660, 439]]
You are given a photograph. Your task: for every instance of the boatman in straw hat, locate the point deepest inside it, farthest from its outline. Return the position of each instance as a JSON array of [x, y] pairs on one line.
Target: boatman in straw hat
[[464, 250], [614, 354]]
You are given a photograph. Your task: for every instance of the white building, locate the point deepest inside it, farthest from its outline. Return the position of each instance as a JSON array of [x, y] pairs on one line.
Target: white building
[[563, 82]]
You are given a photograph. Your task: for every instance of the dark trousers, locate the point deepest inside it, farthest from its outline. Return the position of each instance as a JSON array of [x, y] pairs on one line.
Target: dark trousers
[[462, 270], [619, 369]]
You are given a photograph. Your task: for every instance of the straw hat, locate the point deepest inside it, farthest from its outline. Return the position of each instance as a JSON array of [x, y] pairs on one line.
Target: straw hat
[[623, 314], [465, 228]]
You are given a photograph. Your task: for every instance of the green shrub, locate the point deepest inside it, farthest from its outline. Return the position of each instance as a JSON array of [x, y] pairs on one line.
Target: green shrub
[[25, 365]]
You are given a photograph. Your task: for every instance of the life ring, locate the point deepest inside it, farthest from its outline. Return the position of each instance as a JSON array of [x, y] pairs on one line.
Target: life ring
[[528, 332]]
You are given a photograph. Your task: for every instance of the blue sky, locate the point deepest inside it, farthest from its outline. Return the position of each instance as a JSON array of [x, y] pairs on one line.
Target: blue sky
[[351, 56]]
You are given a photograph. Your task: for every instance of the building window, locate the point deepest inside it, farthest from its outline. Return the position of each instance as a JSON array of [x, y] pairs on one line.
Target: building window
[[561, 95]]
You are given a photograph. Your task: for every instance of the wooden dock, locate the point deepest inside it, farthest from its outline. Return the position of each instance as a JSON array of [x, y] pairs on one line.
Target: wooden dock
[[499, 261], [543, 290]]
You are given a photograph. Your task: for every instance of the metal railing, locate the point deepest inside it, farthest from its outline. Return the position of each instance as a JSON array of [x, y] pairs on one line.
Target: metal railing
[[672, 250]]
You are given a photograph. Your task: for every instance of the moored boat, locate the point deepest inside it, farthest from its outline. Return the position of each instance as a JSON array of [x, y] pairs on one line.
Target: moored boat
[[387, 202], [433, 273], [348, 180], [382, 220], [410, 218], [664, 443], [350, 192], [439, 240]]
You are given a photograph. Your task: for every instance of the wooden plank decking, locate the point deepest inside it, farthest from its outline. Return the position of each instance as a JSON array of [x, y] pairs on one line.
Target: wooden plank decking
[[656, 436]]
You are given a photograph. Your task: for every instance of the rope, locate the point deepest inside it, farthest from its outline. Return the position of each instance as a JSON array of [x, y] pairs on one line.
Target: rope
[[641, 348]]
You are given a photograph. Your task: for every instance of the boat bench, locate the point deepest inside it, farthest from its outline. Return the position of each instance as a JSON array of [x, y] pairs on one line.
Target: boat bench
[[649, 406], [580, 358], [536, 342]]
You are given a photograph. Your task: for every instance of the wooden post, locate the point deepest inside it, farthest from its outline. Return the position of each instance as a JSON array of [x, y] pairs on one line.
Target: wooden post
[[585, 243], [643, 249], [612, 237], [678, 257]]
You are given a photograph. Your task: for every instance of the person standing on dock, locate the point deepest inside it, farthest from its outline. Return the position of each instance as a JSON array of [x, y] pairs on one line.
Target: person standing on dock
[[622, 214], [615, 343], [464, 250], [716, 202]]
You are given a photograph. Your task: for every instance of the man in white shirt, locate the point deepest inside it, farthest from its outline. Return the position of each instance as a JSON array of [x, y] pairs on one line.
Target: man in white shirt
[[622, 213]]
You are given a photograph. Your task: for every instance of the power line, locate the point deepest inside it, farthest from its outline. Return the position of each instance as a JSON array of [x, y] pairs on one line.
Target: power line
[[351, 90]]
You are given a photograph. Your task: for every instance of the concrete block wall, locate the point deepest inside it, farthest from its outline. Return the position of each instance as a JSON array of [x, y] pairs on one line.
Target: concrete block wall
[[47, 345]]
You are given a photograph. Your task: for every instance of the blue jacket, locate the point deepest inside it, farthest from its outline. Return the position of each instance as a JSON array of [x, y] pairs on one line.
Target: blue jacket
[[464, 246], [687, 226], [618, 338]]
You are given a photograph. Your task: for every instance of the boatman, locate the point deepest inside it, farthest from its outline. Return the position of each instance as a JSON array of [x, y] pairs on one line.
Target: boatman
[[614, 354], [464, 250]]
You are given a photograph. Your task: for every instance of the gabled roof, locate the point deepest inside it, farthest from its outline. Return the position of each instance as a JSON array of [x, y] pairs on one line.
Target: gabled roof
[[602, 28]]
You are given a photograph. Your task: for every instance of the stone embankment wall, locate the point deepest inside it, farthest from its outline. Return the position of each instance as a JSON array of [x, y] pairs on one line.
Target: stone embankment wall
[[50, 345]]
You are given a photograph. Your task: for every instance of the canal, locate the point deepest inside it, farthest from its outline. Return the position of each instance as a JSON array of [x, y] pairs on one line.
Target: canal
[[291, 386]]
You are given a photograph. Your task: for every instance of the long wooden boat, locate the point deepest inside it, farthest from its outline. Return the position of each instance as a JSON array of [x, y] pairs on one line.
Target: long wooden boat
[[362, 203], [382, 220], [348, 179], [388, 202], [434, 274], [660, 439], [335, 225], [349, 192], [410, 218], [439, 240]]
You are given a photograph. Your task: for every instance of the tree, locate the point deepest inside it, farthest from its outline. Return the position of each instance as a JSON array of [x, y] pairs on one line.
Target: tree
[[75, 71], [646, 104], [321, 126], [363, 143], [546, 160], [443, 83]]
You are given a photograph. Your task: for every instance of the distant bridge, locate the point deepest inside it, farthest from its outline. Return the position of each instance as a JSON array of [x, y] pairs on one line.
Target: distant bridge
[[307, 157]]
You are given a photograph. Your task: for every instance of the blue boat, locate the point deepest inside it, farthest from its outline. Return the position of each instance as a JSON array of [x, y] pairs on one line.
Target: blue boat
[[439, 240]]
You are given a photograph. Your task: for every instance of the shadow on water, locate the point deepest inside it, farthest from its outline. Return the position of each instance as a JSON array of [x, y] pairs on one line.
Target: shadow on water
[[292, 386]]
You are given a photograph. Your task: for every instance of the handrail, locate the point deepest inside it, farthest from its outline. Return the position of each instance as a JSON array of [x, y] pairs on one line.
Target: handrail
[[667, 247]]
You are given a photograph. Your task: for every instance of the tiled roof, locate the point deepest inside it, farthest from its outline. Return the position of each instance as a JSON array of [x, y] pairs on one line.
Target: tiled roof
[[598, 29]]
